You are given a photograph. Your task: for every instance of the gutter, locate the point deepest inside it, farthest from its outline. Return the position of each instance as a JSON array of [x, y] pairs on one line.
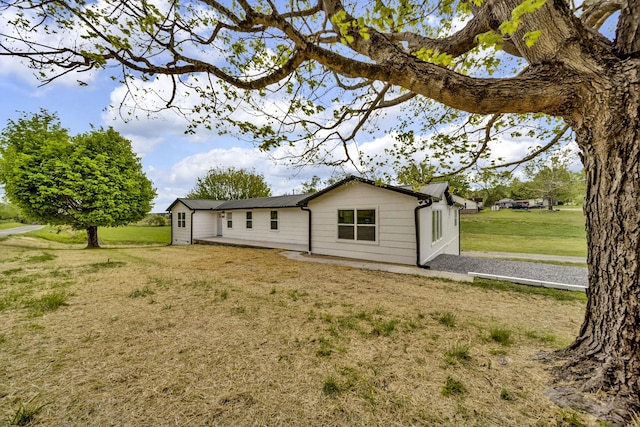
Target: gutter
[[306, 209], [459, 235], [425, 203]]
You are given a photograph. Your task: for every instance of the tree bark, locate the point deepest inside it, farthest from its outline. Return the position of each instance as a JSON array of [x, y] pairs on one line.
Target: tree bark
[[605, 358], [92, 237]]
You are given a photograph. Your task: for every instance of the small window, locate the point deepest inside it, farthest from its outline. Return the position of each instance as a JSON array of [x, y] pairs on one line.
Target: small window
[[436, 225], [367, 225], [229, 220], [249, 219], [274, 220], [346, 229], [182, 219], [357, 224], [455, 217]]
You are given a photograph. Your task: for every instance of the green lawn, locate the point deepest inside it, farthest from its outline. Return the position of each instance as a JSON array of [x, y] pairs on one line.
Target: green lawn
[[535, 231], [7, 225], [108, 235]]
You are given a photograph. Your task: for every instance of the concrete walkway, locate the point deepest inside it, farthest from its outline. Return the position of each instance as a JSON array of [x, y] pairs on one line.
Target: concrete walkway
[[465, 268], [19, 230], [219, 240], [376, 266]]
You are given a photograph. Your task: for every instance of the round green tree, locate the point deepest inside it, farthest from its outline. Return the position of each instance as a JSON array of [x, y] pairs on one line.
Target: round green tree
[[85, 181], [230, 184]]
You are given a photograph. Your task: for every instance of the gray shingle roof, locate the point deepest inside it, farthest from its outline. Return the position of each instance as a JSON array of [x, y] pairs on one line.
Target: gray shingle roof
[[288, 201], [197, 204], [436, 190]]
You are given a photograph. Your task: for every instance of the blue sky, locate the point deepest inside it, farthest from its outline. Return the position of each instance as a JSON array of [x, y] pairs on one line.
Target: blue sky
[[171, 159]]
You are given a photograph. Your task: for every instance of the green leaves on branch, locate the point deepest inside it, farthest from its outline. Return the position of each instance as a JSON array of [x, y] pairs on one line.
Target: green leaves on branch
[[434, 56], [348, 27], [508, 28]]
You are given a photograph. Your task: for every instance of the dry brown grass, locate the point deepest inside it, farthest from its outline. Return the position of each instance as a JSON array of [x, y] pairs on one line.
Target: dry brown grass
[[205, 335]]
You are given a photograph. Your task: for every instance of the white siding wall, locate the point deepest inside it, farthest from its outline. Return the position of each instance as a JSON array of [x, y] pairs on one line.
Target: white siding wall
[[205, 224], [449, 242], [181, 235], [293, 225], [395, 227]]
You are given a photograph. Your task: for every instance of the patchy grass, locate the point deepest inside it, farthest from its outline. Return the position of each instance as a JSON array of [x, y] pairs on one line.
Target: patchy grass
[[453, 387], [46, 303], [501, 336], [535, 232], [557, 294], [206, 335], [26, 413], [41, 258], [447, 319]]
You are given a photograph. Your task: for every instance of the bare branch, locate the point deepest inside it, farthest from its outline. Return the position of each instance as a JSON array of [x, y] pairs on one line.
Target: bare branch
[[537, 152], [597, 12]]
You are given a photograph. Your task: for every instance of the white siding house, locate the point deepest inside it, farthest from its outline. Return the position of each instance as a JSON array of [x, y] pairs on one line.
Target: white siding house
[[354, 218], [267, 219], [193, 219]]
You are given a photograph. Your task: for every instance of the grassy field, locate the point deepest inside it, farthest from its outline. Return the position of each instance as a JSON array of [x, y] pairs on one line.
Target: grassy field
[[535, 231], [133, 234], [7, 225], [206, 335]]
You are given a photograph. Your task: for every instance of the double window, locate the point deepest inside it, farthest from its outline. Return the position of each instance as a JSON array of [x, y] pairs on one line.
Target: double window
[[249, 219], [182, 219], [436, 225], [274, 220], [357, 224]]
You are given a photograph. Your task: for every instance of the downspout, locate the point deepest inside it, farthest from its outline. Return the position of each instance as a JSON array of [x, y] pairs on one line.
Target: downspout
[[423, 204], [306, 209], [191, 227], [459, 235]]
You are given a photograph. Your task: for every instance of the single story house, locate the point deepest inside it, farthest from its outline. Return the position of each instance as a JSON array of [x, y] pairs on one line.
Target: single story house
[[468, 205], [354, 218]]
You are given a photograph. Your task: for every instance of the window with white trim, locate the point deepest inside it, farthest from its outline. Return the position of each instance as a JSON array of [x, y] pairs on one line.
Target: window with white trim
[[436, 225], [229, 220], [182, 219], [249, 219], [274, 220], [357, 224]]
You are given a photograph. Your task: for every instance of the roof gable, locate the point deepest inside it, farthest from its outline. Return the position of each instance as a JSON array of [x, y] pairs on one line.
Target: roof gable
[[401, 190]]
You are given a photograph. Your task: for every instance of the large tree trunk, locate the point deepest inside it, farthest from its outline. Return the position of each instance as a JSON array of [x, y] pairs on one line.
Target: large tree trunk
[[605, 358], [92, 237]]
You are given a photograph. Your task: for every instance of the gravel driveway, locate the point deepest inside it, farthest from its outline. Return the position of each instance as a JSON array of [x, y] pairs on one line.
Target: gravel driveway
[[519, 269]]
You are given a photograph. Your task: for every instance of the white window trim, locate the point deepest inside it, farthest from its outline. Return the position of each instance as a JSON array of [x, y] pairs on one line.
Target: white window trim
[[355, 240], [182, 220], [277, 221]]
